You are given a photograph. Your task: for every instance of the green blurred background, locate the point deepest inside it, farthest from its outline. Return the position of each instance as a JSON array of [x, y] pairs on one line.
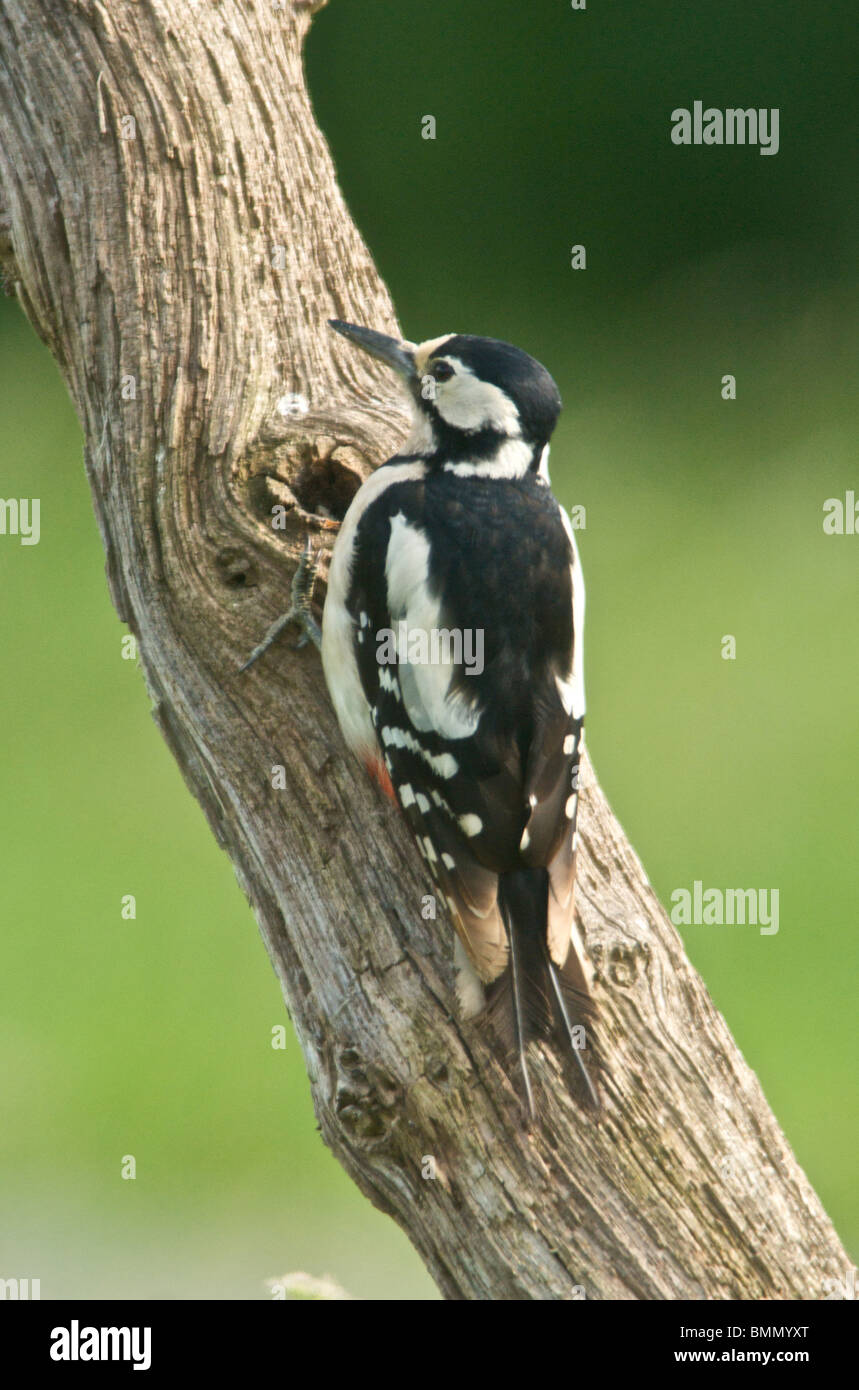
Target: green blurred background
[[704, 517]]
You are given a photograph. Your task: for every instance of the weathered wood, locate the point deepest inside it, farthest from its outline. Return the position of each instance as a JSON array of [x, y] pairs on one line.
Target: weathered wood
[[181, 266]]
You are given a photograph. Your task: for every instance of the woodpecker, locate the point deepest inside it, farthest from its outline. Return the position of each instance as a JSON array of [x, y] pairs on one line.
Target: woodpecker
[[452, 648]]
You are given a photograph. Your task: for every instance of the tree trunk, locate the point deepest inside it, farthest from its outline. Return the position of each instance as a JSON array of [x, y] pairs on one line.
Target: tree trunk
[[173, 227]]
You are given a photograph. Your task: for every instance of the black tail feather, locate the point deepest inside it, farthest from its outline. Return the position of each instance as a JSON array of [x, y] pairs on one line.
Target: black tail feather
[[567, 1030], [519, 994], [533, 1000]]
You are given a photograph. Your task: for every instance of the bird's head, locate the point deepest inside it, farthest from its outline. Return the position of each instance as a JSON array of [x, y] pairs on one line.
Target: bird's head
[[478, 404]]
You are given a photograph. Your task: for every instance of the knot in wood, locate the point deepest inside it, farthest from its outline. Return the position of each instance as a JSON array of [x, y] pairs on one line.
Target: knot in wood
[[365, 1099]]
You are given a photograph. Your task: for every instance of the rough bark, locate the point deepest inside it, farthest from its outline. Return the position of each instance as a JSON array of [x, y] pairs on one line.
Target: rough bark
[[195, 254]]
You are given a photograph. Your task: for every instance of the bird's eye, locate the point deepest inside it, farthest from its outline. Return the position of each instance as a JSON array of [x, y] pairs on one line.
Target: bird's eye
[[442, 371]]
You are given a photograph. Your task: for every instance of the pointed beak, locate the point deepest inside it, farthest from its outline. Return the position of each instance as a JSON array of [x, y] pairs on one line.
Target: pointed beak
[[395, 354]]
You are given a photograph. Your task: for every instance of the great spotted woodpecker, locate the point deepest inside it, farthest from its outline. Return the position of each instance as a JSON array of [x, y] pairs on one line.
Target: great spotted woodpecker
[[452, 648]]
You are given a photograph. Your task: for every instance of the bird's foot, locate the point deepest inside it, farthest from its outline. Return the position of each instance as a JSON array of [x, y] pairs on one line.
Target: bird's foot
[[299, 614]]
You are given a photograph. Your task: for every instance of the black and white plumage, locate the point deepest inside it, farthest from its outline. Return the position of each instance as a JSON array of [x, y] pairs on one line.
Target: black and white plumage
[[460, 534]]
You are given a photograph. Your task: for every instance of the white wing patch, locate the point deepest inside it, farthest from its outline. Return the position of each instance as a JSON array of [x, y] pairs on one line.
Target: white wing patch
[[425, 686], [571, 685]]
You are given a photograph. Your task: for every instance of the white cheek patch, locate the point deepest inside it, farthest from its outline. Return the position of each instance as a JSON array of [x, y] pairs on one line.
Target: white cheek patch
[[468, 403], [422, 439]]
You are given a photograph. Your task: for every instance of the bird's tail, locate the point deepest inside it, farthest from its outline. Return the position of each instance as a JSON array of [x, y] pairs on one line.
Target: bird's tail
[[534, 998]]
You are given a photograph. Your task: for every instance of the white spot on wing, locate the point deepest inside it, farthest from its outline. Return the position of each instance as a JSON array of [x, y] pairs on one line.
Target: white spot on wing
[[388, 681], [442, 764], [470, 824]]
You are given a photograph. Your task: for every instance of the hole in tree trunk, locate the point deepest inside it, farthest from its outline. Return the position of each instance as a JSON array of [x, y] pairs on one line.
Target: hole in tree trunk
[[325, 486]]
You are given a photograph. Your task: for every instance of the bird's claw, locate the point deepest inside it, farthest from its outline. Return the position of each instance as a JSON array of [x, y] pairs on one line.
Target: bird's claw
[[299, 613]]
